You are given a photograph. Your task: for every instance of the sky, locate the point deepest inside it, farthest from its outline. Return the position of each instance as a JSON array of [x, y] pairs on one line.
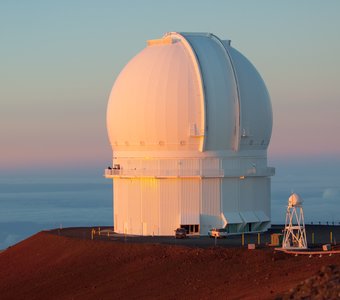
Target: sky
[[59, 60]]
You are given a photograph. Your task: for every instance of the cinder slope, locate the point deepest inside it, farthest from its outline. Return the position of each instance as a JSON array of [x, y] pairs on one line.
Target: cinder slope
[[48, 266]]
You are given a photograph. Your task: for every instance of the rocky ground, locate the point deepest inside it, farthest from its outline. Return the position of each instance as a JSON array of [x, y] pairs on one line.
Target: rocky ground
[[324, 285], [52, 266]]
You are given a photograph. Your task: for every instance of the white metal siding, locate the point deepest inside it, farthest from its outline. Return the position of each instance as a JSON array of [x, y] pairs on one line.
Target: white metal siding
[[262, 194], [168, 166], [169, 203], [134, 206], [210, 204], [150, 205], [120, 208], [189, 166], [246, 201], [267, 203], [230, 194], [211, 163], [190, 201]]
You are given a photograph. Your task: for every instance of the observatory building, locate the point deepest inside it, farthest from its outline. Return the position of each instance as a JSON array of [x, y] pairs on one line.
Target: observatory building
[[189, 120]]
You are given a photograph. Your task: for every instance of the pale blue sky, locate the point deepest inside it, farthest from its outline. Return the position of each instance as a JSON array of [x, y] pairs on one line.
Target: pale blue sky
[[59, 60]]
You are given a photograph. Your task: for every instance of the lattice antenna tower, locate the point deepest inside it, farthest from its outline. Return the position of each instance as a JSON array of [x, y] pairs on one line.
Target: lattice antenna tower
[[294, 236]]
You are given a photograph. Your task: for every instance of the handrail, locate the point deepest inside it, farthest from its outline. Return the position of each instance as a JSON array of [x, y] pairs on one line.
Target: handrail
[[308, 252], [165, 173], [189, 172]]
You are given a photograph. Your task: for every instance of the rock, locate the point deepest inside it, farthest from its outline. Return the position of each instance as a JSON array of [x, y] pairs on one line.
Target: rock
[[324, 285]]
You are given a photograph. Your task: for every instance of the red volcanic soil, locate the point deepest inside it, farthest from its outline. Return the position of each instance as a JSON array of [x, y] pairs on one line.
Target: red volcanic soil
[[48, 266]]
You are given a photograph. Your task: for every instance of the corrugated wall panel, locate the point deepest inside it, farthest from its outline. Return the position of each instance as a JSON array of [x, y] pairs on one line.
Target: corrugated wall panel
[[190, 203], [189, 166], [115, 218], [211, 197], [150, 164], [116, 207], [261, 193], [169, 166], [150, 205], [246, 201], [169, 211], [211, 163], [120, 204], [134, 206], [267, 203], [210, 205], [230, 194]]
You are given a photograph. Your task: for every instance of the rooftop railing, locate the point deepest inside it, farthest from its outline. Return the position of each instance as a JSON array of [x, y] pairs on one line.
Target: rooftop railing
[[210, 173], [109, 173]]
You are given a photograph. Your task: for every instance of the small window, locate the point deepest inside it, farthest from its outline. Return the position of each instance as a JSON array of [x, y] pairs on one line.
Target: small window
[[191, 228]]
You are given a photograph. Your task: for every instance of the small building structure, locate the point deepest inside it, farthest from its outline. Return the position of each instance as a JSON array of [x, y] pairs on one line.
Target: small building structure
[[189, 120]]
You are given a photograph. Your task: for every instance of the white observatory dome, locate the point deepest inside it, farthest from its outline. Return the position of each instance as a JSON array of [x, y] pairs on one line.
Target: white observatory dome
[[189, 120], [189, 92], [295, 200]]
